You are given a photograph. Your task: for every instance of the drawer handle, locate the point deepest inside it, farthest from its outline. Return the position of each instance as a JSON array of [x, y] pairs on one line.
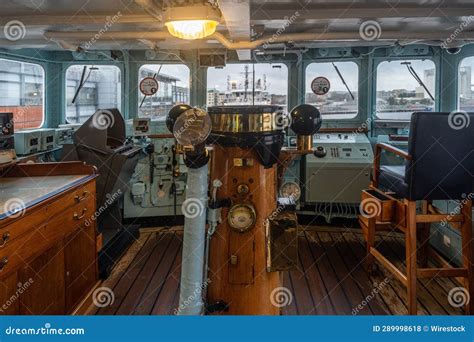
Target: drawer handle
[[78, 217], [3, 263], [81, 197], [5, 238]]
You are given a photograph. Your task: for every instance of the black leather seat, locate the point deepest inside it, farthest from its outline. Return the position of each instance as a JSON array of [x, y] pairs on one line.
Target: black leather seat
[[392, 178], [441, 147]]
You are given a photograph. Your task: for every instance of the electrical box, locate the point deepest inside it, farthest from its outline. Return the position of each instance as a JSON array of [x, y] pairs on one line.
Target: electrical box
[[47, 139], [28, 141], [63, 135]]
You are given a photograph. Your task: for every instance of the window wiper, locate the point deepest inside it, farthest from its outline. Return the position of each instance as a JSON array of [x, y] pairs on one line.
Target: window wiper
[[343, 80], [154, 76], [83, 81], [417, 78]]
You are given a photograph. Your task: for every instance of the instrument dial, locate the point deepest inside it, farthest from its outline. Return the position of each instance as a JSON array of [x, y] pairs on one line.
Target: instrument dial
[[290, 190], [241, 217]]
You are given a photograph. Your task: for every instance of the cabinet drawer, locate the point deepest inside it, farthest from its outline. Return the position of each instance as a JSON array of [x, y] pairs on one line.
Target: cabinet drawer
[[30, 221], [17, 251], [74, 198]]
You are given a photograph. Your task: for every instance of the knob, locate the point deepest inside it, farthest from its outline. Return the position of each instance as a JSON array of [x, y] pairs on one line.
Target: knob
[[320, 152]]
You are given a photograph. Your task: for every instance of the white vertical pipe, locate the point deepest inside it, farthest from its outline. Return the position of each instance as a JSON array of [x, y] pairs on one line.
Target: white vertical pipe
[[192, 266]]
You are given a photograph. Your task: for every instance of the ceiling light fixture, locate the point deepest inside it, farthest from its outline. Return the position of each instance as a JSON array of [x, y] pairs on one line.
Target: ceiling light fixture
[[193, 21]]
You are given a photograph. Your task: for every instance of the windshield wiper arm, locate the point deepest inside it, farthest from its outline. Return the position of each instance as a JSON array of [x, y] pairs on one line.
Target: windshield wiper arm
[[343, 81], [83, 81], [417, 78]]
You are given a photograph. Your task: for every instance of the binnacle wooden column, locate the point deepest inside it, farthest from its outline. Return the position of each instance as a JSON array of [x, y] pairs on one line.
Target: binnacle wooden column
[[237, 263]]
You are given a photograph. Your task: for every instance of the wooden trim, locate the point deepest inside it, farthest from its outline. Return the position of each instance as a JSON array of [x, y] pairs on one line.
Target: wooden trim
[[84, 306], [441, 272], [50, 169], [343, 130], [393, 149], [410, 250], [429, 218], [391, 267], [161, 136]]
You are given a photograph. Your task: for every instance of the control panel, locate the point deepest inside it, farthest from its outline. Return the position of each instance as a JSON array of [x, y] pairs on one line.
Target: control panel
[[338, 170], [157, 186]]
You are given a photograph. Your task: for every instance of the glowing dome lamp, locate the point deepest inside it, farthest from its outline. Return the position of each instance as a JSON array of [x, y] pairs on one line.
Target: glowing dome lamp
[[193, 21]]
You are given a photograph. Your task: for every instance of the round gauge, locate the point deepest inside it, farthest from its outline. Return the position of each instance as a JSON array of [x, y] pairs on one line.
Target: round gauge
[[241, 217], [290, 190]]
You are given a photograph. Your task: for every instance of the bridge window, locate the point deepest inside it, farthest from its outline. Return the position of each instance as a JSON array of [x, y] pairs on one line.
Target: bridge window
[[465, 93], [248, 84], [89, 88], [341, 102], [405, 87], [173, 88], [22, 92]]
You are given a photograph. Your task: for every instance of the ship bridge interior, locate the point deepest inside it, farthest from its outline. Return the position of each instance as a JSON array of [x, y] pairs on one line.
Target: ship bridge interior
[[251, 157]]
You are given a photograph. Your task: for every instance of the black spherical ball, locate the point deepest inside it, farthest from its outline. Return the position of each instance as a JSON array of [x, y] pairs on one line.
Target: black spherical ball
[[305, 119], [174, 113]]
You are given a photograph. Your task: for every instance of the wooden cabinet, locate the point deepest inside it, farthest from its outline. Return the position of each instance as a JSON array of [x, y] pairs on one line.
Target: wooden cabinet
[[46, 293], [9, 295], [48, 254], [80, 263]]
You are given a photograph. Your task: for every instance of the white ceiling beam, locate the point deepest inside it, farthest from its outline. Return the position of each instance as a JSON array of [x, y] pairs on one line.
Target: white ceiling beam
[[237, 19], [46, 20], [279, 12]]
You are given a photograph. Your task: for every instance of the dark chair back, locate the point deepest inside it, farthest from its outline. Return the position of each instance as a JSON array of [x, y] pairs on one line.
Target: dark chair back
[[442, 148]]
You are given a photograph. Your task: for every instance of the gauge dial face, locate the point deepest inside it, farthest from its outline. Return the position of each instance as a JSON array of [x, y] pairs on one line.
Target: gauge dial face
[[290, 190], [241, 217]]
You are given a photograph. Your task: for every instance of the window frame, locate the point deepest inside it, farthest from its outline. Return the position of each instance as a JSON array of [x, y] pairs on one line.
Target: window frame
[[378, 60], [357, 62], [43, 100], [458, 88], [288, 78], [157, 62], [66, 66]]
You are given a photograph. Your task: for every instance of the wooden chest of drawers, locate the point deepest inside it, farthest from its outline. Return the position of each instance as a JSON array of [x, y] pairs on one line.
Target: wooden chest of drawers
[[48, 253]]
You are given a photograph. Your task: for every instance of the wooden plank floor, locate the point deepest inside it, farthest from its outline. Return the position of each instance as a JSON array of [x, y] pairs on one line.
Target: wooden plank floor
[[330, 279]]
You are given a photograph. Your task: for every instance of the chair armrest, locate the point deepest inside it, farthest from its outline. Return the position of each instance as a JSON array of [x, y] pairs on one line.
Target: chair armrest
[[378, 152]]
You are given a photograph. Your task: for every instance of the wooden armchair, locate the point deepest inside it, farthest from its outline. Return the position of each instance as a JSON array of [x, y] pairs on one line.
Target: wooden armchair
[[438, 166]]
